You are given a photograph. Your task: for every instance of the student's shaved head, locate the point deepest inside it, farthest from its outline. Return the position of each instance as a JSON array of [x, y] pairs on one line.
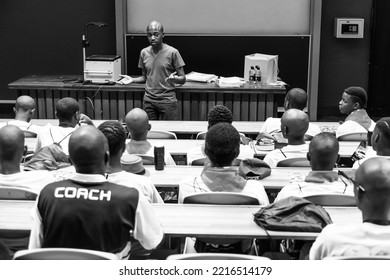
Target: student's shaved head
[[296, 98], [323, 151], [25, 103], [88, 150], [374, 195], [155, 25], [294, 124], [137, 122], [11, 144]]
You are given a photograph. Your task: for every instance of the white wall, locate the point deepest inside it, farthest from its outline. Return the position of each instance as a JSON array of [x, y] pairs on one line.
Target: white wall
[[233, 17]]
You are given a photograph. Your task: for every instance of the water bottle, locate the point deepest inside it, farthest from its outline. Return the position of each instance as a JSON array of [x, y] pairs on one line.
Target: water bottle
[[257, 75], [159, 151], [252, 75]]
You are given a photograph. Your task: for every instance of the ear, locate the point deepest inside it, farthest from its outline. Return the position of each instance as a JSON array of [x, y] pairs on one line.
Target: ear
[[149, 126], [14, 109], [284, 131], [287, 104], [376, 138], [308, 156], [33, 111], [106, 157], [77, 115], [356, 106]]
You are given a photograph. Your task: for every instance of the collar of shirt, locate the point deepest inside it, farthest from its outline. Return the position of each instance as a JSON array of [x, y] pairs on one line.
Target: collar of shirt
[[322, 176], [88, 178], [293, 148]]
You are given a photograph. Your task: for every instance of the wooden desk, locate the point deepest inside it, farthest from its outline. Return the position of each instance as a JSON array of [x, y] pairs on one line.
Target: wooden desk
[[114, 101], [181, 220]]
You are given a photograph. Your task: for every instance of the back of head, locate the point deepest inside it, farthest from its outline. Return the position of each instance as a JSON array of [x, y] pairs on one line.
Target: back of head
[[294, 125], [380, 139], [115, 134], [25, 103], [296, 98], [88, 150], [323, 151], [11, 144], [373, 195], [358, 94], [222, 144], [66, 109], [218, 114], [137, 122]]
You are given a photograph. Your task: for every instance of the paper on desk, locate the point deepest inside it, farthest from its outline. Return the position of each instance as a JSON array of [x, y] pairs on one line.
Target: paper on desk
[[201, 77], [278, 84], [230, 82]]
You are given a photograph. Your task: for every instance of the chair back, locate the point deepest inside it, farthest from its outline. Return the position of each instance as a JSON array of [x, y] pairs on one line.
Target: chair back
[[294, 162], [17, 193], [332, 200], [214, 256], [29, 134], [356, 136], [221, 198], [63, 254], [201, 162], [159, 134]]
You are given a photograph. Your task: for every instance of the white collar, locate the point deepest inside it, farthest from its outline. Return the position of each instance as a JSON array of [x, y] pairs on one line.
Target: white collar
[[88, 178]]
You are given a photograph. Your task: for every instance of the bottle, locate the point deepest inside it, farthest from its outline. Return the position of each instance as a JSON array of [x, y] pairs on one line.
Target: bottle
[[159, 152], [252, 75], [257, 75]]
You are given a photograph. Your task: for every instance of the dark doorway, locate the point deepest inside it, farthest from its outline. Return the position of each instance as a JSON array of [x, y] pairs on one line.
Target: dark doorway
[[379, 79]]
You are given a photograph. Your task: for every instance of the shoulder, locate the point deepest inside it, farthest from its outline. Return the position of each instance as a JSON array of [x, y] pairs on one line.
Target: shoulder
[[170, 48], [349, 127]]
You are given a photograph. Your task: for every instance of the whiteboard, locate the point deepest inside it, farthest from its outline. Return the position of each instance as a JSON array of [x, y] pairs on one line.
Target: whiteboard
[[230, 17]]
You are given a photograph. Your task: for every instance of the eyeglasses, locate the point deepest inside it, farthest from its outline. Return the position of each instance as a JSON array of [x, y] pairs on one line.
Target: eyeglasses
[[356, 185]]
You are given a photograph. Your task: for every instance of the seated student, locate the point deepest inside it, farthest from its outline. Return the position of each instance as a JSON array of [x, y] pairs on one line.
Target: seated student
[[296, 98], [323, 154], [217, 114], [380, 141], [370, 238], [68, 114], [11, 153], [352, 103], [222, 147], [24, 111], [137, 122], [116, 137], [87, 211], [294, 125]]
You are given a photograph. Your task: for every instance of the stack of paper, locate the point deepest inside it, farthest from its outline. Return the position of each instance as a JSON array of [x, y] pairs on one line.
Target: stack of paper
[[234, 82], [201, 77]]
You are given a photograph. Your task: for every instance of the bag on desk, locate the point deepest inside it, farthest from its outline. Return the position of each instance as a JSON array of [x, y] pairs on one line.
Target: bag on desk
[[48, 158], [292, 214]]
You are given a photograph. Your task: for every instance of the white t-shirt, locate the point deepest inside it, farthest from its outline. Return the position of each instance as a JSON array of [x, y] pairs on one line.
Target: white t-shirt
[[365, 239], [51, 134], [26, 126], [141, 145], [197, 152], [192, 185], [142, 184], [289, 151], [302, 189], [272, 125], [35, 180], [352, 127]]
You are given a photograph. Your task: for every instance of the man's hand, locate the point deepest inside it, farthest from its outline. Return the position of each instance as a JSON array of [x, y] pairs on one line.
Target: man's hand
[[265, 135], [84, 119], [126, 80]]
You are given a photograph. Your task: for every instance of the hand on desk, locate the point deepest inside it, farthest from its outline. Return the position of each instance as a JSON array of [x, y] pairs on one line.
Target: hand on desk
[[125, 80]]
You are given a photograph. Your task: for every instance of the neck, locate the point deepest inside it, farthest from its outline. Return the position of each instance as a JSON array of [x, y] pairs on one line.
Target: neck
[[66, 124], [157, 48], [296, 141], [22, 118], [380, 216], [7, 168], [114, 164]]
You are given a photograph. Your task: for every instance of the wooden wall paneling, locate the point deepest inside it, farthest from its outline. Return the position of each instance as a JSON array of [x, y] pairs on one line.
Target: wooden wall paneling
[[244, 107], [113, 97], [203, 107], [41, 104]]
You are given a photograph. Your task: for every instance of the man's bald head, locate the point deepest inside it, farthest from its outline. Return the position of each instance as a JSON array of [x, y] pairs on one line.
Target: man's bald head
[[323, 151], [11, 144], [88, 150], [296, 98], [294, 125], [380, 139], [137, 123], [373, 195], [155, 25], [24, 108]]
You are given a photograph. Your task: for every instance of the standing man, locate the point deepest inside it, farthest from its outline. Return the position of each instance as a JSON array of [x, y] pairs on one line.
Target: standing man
[[162, 68]]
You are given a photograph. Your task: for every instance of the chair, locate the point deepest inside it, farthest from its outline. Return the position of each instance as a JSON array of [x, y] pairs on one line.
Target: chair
[[356, 136], [332, 200], [63, 254], [221, 198], [158, 134], [294, 162], [201, 162], [17, 193], [29, 134], [214, 256]]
